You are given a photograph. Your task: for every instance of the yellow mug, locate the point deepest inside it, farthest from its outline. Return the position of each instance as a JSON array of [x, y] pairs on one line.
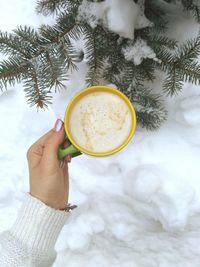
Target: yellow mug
[[74, 149]]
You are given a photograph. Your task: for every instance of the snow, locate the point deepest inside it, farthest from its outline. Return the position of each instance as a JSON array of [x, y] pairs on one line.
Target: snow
[[137, 208], [91, 12], [20, 11], [119, 16], [138, 51], [124, 16]]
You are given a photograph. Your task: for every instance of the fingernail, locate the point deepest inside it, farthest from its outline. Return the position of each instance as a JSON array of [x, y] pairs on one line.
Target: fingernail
[[68, 158], [58, 125]]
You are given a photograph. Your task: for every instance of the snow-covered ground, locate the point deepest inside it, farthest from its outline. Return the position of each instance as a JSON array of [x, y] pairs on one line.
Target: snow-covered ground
[[137, 208]]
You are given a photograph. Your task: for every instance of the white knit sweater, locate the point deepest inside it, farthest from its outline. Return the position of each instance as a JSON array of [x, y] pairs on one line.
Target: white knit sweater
[[31, 240]]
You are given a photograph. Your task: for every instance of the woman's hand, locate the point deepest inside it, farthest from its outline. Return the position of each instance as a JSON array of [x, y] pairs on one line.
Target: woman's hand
[[49, 182]]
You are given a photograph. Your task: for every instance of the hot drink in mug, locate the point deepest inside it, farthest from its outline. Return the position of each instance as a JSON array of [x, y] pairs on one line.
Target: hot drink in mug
[[99, 121]]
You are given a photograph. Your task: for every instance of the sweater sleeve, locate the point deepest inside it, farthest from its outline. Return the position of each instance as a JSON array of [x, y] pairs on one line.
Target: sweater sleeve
[[31, 240]]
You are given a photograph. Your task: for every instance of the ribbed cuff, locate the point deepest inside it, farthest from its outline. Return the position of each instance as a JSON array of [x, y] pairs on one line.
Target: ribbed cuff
[[38, 225]]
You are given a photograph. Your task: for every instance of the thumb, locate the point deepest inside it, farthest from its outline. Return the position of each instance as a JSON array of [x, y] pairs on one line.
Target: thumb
[[54, 141]]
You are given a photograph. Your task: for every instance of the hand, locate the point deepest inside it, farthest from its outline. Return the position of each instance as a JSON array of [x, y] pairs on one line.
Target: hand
[[49, 182]]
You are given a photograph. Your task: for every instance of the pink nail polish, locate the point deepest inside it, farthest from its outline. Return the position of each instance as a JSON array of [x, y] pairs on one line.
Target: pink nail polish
[[58, 125]]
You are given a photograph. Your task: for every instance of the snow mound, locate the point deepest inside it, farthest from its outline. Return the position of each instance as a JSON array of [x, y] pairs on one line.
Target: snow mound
[[138, 51], [119, 16]]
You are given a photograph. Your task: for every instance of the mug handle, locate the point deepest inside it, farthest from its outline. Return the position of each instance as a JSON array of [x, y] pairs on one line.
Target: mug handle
[[71, 149]]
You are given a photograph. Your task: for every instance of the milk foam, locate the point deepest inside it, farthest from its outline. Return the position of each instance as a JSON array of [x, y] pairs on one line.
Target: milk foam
[[100, 122]]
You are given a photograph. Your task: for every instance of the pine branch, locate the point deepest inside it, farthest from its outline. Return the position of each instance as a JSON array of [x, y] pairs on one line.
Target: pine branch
[[116, 63], [128, 74], [54, 57], [48, 7], [190, 73], [65, 25], [10, 45], [149, 106], [160, 41], [193, 7], [180, 66], [28, 35], [151, 120], [67, 52], [35, 93], [12, 71], [144, 97], [173, 83], [189, 51], [156, 14], [146, 70], [55, 72], [94, 59]]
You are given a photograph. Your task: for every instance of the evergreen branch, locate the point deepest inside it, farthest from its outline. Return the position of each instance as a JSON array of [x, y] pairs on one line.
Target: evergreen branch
[[35, 93], [190, 73], [173, 83], [180, 66], [189, 51], [24, 43], [167, 58], [48, 7], [28, 35], [39, 45], [66, 23], [155, 14], [53, 34], [112, 60], [149, 107], [94, 60], [193, 7], [160, 41], [146, 70], [127, 73], [93, 63], [67, 52], [151, 120], [65, 26], [32, 47], [11, 45], [144, 97], [55, 73], [122, 77], [179, 73], [11, 72]]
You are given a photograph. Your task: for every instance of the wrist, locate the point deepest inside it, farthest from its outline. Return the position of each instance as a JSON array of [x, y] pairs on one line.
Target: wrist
[[57, 205]]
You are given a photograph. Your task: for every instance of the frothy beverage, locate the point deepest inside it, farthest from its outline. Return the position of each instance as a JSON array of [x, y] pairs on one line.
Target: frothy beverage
[[100, 122]]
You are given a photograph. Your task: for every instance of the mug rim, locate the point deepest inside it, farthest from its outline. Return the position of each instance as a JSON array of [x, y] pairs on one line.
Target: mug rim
[[86, 91]]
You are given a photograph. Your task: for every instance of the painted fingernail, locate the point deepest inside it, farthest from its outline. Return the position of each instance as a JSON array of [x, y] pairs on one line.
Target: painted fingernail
[[58, 125]]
